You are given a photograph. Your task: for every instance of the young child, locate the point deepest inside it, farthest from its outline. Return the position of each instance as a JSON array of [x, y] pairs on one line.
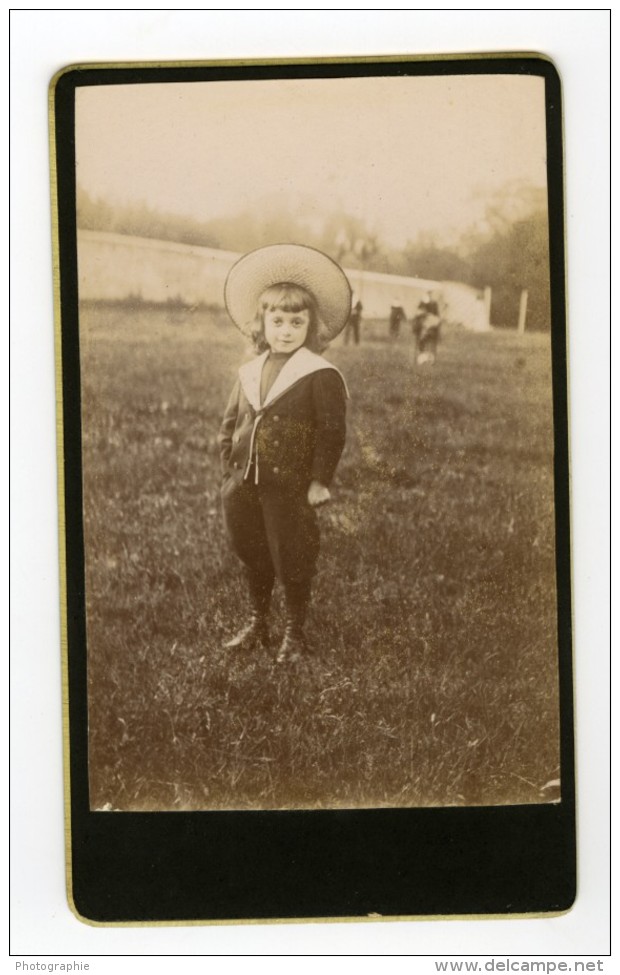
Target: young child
[[283, 431]]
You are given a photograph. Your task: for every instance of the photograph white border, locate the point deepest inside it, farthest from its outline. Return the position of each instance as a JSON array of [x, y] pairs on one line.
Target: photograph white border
[[44, 41]]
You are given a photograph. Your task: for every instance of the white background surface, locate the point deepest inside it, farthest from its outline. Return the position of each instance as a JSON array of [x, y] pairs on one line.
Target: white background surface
[[44, 41]]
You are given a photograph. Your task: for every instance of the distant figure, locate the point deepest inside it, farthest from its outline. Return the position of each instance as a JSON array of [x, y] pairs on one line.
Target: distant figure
[[397, 316], [353, 324], [426, 329]]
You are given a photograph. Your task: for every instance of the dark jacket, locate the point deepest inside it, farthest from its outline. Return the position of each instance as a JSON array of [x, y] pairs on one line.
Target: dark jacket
[[298, 436]]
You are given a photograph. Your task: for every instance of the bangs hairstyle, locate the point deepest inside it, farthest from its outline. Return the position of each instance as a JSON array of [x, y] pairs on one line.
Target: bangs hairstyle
[[290, 298]]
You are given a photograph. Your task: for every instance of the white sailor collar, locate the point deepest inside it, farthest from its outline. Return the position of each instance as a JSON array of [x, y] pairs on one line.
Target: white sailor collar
[[302, 363]]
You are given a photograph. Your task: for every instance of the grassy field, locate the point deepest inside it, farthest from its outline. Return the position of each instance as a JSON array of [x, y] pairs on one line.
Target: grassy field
[[433, 677]]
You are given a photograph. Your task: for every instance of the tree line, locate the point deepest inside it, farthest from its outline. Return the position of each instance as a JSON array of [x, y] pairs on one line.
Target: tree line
[[509, 251]]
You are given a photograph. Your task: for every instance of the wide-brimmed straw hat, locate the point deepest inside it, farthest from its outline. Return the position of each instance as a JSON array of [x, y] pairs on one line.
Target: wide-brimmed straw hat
[[288, 264]]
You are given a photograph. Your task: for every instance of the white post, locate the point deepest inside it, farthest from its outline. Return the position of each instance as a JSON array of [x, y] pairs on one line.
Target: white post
[[522, 312]]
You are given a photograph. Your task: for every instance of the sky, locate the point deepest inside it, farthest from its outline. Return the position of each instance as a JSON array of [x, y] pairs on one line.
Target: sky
[[404, 154]]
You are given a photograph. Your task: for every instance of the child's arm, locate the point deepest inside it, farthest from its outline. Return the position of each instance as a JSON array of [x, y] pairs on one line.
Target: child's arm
[[329, 397], [228, 426]]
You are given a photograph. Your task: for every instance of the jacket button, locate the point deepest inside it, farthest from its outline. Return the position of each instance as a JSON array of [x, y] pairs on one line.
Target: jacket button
[[276, 418], [276, 470], [235, 464], [276, 443]]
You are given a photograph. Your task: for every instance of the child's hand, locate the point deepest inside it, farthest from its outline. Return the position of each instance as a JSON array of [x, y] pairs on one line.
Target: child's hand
[[318, 494]]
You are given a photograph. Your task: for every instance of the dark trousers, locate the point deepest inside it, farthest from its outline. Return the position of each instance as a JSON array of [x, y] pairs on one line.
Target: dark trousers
[[428, 340], [274, 532]]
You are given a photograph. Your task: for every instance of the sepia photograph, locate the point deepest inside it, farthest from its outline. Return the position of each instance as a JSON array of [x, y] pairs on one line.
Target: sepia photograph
[[317, 441]]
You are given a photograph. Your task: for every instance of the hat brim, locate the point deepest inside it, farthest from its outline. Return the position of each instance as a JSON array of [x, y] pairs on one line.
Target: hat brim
[[290, 264]]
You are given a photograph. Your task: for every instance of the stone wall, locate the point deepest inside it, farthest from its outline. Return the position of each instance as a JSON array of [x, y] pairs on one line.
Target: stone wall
[[117, 267]]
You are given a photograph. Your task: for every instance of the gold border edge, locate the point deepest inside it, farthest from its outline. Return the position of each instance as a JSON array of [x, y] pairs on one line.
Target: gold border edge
[[345, 59], [357, 919], [60, 485]]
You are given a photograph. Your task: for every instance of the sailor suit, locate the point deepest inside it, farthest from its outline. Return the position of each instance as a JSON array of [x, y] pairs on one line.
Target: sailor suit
[[271, 449]]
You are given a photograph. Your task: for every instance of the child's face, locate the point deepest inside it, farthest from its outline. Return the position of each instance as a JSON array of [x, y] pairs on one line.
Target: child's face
[[286, 331]]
